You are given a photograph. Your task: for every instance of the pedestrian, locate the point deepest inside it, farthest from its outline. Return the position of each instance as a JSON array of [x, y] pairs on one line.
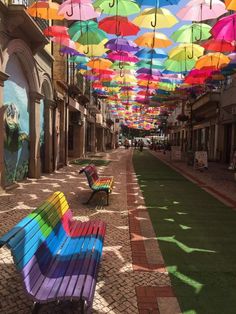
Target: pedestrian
[[141, 145], [135, 144]]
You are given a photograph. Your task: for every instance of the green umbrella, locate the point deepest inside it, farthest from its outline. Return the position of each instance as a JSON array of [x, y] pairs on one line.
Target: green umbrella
[[191, 33], [117, 7], [155, 64], [79, 59], [179, 66], [125, 65], [86, 33]]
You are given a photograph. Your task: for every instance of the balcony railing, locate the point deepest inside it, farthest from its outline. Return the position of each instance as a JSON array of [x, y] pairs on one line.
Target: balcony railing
[[26, 3]]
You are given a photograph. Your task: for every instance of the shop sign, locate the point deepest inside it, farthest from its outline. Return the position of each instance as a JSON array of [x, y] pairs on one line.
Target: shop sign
[[200, 160]]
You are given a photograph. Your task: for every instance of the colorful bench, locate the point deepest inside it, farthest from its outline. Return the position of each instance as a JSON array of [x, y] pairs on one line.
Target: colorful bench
[[58, 257], [96, 183]]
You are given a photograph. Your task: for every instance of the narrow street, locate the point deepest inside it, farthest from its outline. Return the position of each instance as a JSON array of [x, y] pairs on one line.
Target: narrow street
[[133, 276]]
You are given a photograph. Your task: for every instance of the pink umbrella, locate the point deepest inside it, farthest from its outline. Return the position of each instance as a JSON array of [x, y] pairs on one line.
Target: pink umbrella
[[81, 10], [200, 10], [148, 77], [122, 56], [64, 42], [225, 28]]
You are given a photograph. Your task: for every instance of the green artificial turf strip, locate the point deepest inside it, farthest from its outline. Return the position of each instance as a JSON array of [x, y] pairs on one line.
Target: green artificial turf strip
[[196, 234], [85, 162]]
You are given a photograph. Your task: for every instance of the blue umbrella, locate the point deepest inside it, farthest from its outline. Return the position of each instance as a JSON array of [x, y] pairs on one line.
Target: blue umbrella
[[147, 53], [157, 3]]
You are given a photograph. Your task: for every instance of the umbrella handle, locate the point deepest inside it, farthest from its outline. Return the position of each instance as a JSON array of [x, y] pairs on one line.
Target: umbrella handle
[[111, 5], [155, 22], [71, 12], [86, 52], [121, 73], [121, 66]]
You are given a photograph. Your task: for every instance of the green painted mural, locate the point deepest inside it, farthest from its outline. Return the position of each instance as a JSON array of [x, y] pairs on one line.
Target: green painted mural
[[16, 119]]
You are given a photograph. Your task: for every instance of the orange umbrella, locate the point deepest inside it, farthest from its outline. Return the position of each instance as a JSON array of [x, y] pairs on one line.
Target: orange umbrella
[[99, 63], [153, 40], [230, 4], [213, 61], [45, 10]]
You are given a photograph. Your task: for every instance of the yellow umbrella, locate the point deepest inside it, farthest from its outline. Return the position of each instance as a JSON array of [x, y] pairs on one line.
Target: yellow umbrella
[[230, 4], [45, 10], [93, 50], [125, 79], [213, 61], [186, 51], [100, 63], [157, 17], [153, 40]]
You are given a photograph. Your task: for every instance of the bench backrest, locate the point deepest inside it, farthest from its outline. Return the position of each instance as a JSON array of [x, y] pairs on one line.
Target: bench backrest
[[91, 174], [46, 225]]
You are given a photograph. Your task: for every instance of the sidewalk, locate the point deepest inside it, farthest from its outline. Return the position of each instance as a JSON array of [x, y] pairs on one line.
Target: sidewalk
[[217, 180], [132, 277]]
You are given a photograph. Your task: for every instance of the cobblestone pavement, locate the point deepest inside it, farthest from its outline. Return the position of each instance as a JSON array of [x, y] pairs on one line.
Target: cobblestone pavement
[[217, 180], [125, 284]]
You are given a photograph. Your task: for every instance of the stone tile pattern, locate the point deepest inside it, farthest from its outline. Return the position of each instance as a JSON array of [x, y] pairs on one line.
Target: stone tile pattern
[[119, 277]]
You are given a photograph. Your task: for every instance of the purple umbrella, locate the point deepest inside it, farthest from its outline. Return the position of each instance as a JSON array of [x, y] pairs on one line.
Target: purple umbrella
[[70, 51], [122, 44], [149, 71]]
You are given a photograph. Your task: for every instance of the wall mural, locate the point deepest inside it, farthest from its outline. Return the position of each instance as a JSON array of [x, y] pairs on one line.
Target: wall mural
[[16, 142]]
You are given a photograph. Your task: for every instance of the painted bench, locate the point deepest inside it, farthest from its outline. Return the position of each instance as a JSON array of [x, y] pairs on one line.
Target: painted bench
[[57, 257], [97, 183]]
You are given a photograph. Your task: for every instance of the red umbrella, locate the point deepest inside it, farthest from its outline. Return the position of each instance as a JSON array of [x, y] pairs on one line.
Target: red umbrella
[[118, 25], [218, 45], [56, 31]]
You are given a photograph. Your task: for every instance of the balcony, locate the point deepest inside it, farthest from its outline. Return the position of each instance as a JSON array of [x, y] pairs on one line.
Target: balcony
[[212, 97], [21, 25]]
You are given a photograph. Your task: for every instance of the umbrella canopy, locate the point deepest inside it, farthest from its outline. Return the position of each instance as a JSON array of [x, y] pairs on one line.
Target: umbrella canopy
[[201, 10], [146, 53], [186, 51], [157, 3], [67, 42], [218, 45], [212, 61], [77, 10], [86, 33], [148, 77], [70, 51], [79, 59], [153, 40], [56, 31], [44, 10], [122, 56], [179, 66], [100, 63], [121, 44], [192, 32], [149, 71], [93, 50], [160, 18], [230, 5], [225, 28], [117, 7], [118, 25], [154, 64]]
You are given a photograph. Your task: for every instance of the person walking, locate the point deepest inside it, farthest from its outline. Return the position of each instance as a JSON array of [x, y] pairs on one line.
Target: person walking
[[135, 144], [141, 145]]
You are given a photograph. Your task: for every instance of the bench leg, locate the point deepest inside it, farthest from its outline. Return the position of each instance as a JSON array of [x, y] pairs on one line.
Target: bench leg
[[35, 308], [107, 198], [91, 196]]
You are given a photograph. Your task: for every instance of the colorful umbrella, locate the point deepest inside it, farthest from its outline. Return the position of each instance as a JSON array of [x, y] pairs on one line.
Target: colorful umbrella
[[79, 59], [99, 63], [146, 53], [118, 25], [44, 10], [191, 33], [200, 10], [93, 50], [77, 10], [122, 56], [148, 77], [218, 45], [179, 66], [157, 3], [56, 31], [154, 64], [230, 4], [151, 18], [186, 51], [213, 61], [117, 7], [225, 28], [153, 40], [67, 42], [121, 44]]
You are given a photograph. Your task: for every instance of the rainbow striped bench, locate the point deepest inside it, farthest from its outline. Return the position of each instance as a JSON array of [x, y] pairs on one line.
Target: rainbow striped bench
[[96, 183], [58, 257]]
